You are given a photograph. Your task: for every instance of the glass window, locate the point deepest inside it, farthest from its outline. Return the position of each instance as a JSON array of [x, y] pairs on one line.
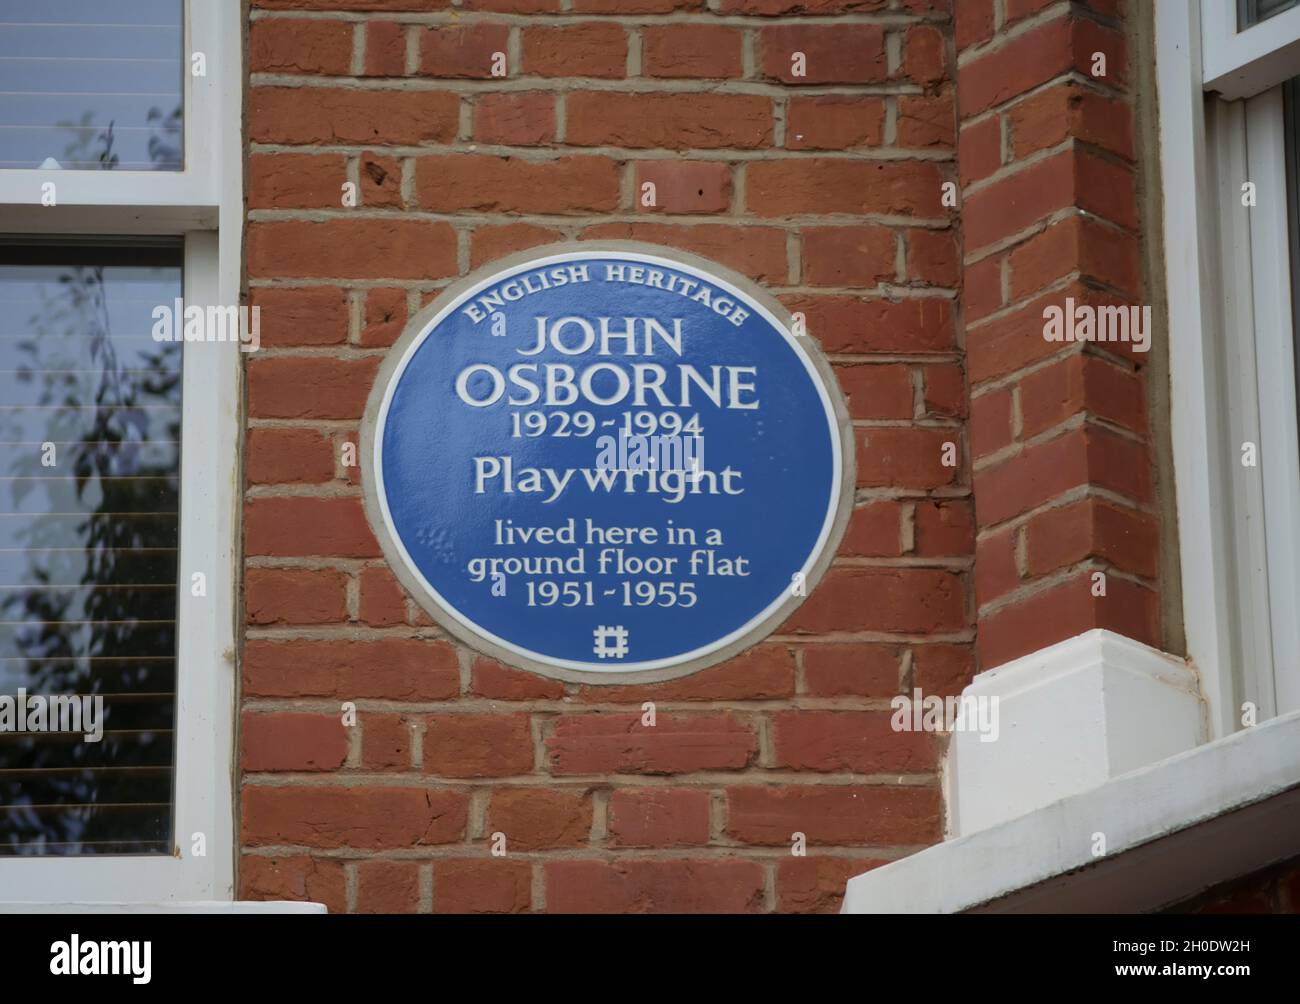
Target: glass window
[[89, 498], [91, 85], [1253, 11]]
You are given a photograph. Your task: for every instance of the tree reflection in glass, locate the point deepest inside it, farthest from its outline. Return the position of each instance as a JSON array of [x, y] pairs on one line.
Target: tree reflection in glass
[[88, 545]]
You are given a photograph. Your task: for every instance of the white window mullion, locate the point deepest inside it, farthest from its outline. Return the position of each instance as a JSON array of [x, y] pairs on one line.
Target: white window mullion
[[1275, 362]]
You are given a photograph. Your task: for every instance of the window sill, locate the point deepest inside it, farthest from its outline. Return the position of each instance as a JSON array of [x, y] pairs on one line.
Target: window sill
[[1171, 831]]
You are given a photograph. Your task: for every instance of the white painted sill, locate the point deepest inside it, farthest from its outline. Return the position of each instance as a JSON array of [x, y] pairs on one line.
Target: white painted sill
[[1252, 776]]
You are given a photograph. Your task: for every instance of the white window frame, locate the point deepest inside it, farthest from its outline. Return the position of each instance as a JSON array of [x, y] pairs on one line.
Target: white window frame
[[204, 204], [1231, 350], [1239, 64]]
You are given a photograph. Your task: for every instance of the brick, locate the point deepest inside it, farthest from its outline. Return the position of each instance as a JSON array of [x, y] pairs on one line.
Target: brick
[[996, 571], [619, 743], [758, 252], [833, 54], [1043, 471], [385, 317], [944, 391], [295, 180], [1049, 50], [315, 316], [381, 182], [534, 819], [907, 458], [486, 184], [990, 423], [1069, 111], [834, 122], [385, 742], [309, 386], [1017, 338], [298, 527], [767, 815], [695, 51], [295, 596], [902, 600], [859, 742], [478, 745], [1125, 538], [281, 115], [465, 51], [290, 45], [849, 256], [297, 878], [285, 741], [764, 672], [1064, 611], [288, 456], [628, 7], [923, 55], [504, 683], [482, 885], [1072, 178], [369, 817], [1081, 383], [659, 817], [979, 149], [513, 6], [874, 531], [487, 243], [352, 249], [944, 670], [669, 121], [857, 325], [878, 390], [933, 258], [1079, 244], [388, 887], [515, 118], [982, 289], [385, 49], [928, 121], [587, 49], [383, 600], [397, 669], [775, 8], [815, 185], [851, 670], [816, 884], [684, 186], [624, 886], [943, 528], [972, 22]]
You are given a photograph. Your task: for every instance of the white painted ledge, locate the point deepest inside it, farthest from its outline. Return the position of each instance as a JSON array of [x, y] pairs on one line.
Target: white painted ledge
[[1071, 717], [1172, 830], [240, 906]]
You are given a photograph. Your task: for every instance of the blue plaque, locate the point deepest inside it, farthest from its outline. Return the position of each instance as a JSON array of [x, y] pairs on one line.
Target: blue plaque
[[607, 461]]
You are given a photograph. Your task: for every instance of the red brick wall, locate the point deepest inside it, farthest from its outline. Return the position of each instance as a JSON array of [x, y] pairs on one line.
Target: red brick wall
[[826, 188], [1060, 433]]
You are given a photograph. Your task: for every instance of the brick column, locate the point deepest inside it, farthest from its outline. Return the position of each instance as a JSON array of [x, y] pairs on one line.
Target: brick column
[[1060, 436]]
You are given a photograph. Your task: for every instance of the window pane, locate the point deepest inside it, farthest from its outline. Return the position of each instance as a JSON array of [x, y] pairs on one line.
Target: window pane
[[89, 491], [1253, 11], [91, 84]]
